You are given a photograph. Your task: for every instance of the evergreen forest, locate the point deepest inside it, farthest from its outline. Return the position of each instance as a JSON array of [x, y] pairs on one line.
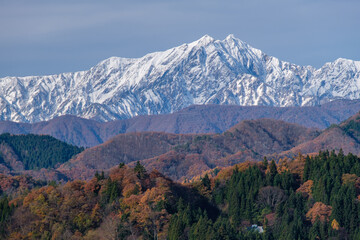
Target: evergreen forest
[[37, 151]]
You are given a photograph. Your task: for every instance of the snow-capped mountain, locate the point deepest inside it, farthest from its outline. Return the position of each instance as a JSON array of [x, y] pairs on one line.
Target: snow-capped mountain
[[206, 71]]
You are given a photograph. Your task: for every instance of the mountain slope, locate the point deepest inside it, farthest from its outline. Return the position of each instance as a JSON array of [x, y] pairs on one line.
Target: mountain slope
[[206, 71], [184, 156], [181, 156], [124, 148], [193, 119], [345, 136]]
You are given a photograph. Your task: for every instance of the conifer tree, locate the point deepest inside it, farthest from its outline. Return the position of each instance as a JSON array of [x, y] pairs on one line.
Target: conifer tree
[[206, 182], [140, 170], [265, 163]]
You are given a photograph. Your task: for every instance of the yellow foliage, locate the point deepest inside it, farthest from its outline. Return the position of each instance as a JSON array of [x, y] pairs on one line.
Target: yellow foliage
[[40, 198], [96, 214], [283, 165], [15, 236], [335, 225]]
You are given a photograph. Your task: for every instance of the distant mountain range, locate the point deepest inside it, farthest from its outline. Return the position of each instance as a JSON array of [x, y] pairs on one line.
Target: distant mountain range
[[206, 71], [193, 119]]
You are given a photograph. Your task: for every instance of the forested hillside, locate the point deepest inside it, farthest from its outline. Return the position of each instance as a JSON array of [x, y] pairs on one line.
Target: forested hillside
[[345, 136], [33, 152], [182, 156], [305, 198], [321, 204]]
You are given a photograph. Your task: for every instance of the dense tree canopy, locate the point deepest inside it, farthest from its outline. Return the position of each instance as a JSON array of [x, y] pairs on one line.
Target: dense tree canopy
[[39, 151], [252, 201]]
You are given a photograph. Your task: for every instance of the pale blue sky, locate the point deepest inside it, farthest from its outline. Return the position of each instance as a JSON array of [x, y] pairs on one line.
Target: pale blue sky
[[49, 37]]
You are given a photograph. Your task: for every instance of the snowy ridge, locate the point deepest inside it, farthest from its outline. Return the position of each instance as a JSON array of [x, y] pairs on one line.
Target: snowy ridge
[[205, 71]]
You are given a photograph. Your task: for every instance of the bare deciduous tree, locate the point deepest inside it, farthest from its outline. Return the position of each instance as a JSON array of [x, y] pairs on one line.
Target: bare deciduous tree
[[271, 196]]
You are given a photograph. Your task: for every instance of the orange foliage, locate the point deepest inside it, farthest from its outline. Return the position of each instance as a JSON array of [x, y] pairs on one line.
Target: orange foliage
[[226, 173], [319, 211], [92, 186], [75, 210], [305, 188], [146, 208], [296, 165], [16, 186]]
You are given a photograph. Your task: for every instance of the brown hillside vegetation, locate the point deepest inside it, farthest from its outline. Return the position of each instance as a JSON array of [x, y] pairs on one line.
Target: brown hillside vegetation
[[124, 148], [333, 138], [266, 136], [247, 141], [345, 136], [10, 160], [186, 156], [16, 185]]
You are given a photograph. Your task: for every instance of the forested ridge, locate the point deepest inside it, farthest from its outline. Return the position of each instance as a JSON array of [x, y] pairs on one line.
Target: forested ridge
[[37, 151], [310, 197]]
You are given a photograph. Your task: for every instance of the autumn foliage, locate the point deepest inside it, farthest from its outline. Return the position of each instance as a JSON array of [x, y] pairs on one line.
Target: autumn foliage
[[122, 204], [310, 198]]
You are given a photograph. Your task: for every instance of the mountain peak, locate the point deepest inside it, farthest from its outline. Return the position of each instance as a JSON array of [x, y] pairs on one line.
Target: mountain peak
[[232, 40], [344, 63], [206, 39], [343, 60], [206, 71], [231, 37]]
